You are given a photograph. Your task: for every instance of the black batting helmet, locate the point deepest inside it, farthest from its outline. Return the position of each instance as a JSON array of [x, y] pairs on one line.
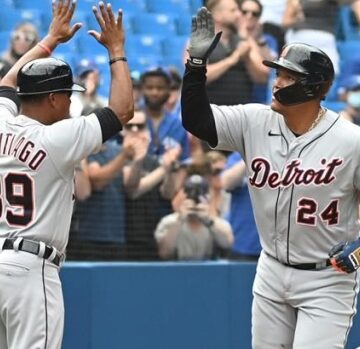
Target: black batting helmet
[[314, 67], [45, 75]]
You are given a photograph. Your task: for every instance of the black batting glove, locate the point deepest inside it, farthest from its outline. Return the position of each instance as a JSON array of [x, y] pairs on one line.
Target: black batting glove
[[345, 257], [203, 39]]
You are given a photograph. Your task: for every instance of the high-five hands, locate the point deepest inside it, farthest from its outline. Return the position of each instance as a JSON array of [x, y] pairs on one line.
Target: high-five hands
[[60, 28], [112, 34], [203, 39]]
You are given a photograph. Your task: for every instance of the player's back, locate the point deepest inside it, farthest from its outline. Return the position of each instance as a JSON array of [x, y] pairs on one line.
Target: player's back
[[36, 175]]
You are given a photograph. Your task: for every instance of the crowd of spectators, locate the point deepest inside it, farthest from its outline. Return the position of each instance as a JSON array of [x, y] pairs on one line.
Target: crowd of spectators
[[154, 192]]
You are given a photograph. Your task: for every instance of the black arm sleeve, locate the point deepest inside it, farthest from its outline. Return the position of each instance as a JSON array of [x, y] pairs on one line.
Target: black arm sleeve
[[109, 123], [9, 92], [197, 116]]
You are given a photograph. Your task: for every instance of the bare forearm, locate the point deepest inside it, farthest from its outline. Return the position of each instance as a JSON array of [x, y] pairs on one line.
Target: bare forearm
[[170, 185], [216, 70], [289, 17], [233, 176], [82, 185], [167, 244], [103, 175], [148, 182], [121, 95], [132, 176], [258, 72], [222, 233]]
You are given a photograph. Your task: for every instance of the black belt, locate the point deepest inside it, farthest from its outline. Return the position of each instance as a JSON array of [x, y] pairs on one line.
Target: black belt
[[306, 266], [32, 247]]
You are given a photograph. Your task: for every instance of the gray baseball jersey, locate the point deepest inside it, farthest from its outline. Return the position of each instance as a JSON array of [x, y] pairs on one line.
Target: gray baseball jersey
[[37, 173], [304, 189], [37, 164], [305, 194]]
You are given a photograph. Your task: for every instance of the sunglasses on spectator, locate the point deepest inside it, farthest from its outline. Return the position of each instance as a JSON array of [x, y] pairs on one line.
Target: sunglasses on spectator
[[28, 37], [255, 14], [216, 171], [139, 126]]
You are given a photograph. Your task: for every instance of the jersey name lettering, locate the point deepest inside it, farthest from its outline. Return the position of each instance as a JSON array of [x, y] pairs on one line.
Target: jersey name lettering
[[292, 174], [22, 149]]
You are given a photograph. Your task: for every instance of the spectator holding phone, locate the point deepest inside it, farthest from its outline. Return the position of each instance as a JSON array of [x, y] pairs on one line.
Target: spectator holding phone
[[193, 232]]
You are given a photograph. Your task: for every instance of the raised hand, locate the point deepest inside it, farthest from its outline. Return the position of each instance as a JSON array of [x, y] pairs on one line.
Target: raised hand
[[112, 33], [203, 39], [60, 28]]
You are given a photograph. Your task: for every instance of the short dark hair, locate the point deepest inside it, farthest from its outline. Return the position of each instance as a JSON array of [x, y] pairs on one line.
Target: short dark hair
[[158, 72]]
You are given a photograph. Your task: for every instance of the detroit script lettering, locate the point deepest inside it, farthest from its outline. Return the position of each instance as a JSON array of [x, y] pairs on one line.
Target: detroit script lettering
[[293, 173]]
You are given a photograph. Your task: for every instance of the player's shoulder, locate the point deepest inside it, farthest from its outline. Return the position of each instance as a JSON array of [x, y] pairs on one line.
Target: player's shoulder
[[344, 131], [251, 109], [346, 126]]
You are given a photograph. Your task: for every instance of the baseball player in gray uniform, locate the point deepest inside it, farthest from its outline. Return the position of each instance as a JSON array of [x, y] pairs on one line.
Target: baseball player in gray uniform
[[39, 150], [303, 165]]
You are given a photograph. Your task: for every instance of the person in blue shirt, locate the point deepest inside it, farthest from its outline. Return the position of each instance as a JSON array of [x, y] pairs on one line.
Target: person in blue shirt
[[98, 224], [166, 129], [247, 244]]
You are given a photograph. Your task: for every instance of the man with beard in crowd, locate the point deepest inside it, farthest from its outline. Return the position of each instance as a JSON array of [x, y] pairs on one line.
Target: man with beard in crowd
[[166, 130], [234, 62]]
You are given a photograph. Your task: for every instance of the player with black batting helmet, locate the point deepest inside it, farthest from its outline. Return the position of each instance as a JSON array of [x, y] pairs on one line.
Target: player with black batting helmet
[[39, 151], [45, 75], [315, 71], [304, 178]]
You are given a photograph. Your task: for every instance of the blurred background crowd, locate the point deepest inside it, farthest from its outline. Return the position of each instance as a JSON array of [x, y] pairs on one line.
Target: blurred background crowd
[[154, 192]]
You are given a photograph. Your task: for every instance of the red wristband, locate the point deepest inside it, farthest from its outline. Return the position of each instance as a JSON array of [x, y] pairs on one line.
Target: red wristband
[[45, 48]]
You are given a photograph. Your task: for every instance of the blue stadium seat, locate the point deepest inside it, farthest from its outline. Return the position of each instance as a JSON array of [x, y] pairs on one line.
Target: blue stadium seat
[[174, 46], [129, 5], [144, 45], [32, 4], [79, 16], [4, 40], [141, 63], [8, 3], [151, 23], [183, 25], [69, 47], [104, 88], [125, 5], [195, 5], [12, 17], [173, 51], [348, 28], [68, 57], [347, 50], [86, 44], [174, 61], [85, 5], [127, 22], [336, 106], [169, 6]]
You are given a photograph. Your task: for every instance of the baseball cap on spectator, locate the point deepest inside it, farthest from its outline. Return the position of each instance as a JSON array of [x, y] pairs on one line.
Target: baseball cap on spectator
[[156, 71], [85, 66]]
